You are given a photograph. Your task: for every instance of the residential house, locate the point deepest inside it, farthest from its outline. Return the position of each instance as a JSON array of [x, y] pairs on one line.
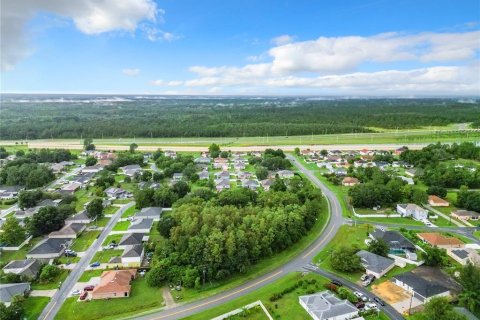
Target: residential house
[[141, 225], [204, 175], [80, 217], [71, 231], [436, 239], [92, 169], [408, 180], [465, 215], [422, 288], [71, 187], [435, 201], [148, 185], [28, 268], [326, 306], [465, 256], [202, 160], [9, 192], [374, 264], [132, 239], [149, 213], [222, 175], [114, 284], [10, 290], [133, 255], [285, 174], [57, 167], [400, 150], [397, 243], [220, 163], [411, 172], [239, 166], [222, 184], [339, 171], [250, 184], [177, 177], [242, 175], [131, 170], [412, 210], [350, 181], [267, 183], [170, 154], [49, 248], [117, 193]]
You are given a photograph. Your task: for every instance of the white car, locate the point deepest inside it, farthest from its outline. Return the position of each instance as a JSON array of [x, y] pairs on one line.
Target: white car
[[371, 306], [358, 294], [76, 292]]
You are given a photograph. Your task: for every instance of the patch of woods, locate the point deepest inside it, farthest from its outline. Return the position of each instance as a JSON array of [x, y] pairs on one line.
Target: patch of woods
[[217, 236], [226, 117]]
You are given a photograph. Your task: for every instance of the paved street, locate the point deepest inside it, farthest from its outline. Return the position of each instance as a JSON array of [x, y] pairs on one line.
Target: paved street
[[57, 300]]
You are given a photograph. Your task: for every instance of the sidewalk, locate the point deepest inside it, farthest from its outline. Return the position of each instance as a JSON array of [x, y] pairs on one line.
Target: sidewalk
[[455, 221]]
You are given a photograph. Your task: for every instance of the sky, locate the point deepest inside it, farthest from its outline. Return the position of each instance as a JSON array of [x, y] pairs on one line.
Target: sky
[[349, 48]]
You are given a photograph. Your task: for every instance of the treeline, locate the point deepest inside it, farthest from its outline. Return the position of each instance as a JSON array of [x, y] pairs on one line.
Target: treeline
[[229, 232], [226, 117]]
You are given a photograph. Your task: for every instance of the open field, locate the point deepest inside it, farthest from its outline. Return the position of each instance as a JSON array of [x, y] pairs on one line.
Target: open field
[[396, 138]]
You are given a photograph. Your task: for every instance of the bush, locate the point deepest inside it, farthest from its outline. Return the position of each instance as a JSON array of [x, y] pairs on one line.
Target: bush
[[49, 273]]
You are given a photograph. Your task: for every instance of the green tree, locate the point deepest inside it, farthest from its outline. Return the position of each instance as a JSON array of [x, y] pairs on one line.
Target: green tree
[[214, 150], [344, 259], [95, 209], [437, 191], [181, 188], [379, 247], [49, 273], [13, 233], [156, 277], [88, 144], [165, 224], [297, 151], [133, 147], [470, 281], [261, 173], [278, 185], [440, 309], [434, 256], [90, 161], [29, 199], [419, 196], [46, 220], [146, 175], [14, 311]]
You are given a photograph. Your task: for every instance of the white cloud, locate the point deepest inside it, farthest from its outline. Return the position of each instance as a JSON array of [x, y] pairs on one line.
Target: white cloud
[[89, 16], [283, 39], [155, 34], [131, 72], [158, 83]]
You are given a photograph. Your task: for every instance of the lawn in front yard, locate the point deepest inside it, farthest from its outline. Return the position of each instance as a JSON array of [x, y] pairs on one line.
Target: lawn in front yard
[[6, 256], [105, 255], [84, 241], [142, 298], [476, 234], [100, 223], [110, 210], [392, 220], [112, 238], [121, 226], [129, 212], [82, 198], [54, 284], [33, 307], [121, 201], [87, 275]]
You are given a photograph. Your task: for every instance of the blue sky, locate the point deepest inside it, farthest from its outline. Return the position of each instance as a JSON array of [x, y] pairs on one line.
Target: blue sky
[[402, 48]]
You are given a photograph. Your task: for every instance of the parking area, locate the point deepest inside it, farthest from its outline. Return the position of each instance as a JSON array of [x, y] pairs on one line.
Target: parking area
[[80, 285]]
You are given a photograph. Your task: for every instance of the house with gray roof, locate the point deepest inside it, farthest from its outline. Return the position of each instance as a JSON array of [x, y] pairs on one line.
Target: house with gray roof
[[9, 192], [285, 174], [49, 248], [222, 175], [374, 264], [222, 184], [202, 160], [395, 240], [412, 210], [250, 184], [177, 177], [141, 225], [117, 193], [149, 213], [10, 290], [422, 288], [326, 306], [71, 230], [133, 255], [80, 217], [130, 239], [28, 268], [131, 170], [204, 175]]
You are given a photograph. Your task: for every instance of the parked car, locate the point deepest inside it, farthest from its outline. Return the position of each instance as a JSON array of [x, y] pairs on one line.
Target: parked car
[[130, 219], [364, 277], [70, 254], [89, 288], [370, 306], [337, 283], [84, 295], [358, 294], [379, 301], [95, 264], [360, 305], [76, 292]]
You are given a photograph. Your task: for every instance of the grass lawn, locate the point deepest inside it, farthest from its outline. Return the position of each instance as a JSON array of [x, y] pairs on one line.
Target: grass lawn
[[33, 307], [121, 226], [100, 223], [82, 198], [255, 313], [129, 212], [112, 237], [142, 298], [6, 256], [54, 284], [476, 234], [84, 241], [105, 255], [65, 260], [121, 201], [87, 275], [442, 222], [119, 177], [287, 307], [110, 210], [393, 220]]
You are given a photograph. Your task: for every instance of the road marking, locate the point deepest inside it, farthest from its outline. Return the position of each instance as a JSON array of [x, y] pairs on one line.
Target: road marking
[[51, 308], [318, 244], [222, 297]]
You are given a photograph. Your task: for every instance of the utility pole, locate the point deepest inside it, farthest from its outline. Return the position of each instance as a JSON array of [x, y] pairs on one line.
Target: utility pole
[[204, 272]]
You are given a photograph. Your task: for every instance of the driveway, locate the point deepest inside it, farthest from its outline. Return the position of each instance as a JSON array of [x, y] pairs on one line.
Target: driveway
[[43, 293]]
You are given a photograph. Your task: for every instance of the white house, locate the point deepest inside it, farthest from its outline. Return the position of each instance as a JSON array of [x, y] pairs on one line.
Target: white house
[[412, 210], [326, 306]]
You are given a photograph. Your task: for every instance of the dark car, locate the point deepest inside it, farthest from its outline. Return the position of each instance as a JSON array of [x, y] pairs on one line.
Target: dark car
[[70, 254], [95, 264], [337, 283], [379, 301], [84, 295], [89, 288], [360, 305]]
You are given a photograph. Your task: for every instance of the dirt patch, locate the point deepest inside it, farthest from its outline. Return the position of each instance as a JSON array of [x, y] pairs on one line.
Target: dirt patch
[[390, 292]]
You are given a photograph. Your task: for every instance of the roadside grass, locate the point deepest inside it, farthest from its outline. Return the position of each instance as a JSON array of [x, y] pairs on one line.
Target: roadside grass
[[442, 222], [65, 260], [100, 223], [112, 237], [129, 212], [87, 275], [261, 267], [34, 306], [142, 298], [54, 284], [393, 220], [121, 201], [121, 226], [84, 241], [105, 255], [110, 210], [6, 256], [286, 307], [476, 234]]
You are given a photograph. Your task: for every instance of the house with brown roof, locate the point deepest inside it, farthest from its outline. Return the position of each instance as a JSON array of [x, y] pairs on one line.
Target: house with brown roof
[[350, 181], [114, 284], [465, 215], [436, 239], [435, 201]]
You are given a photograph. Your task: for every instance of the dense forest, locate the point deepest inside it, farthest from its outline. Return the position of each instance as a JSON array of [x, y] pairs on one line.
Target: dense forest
[[98, 117]]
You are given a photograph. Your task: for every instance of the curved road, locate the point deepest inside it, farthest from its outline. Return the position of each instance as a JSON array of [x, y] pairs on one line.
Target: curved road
[[300, 263]]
